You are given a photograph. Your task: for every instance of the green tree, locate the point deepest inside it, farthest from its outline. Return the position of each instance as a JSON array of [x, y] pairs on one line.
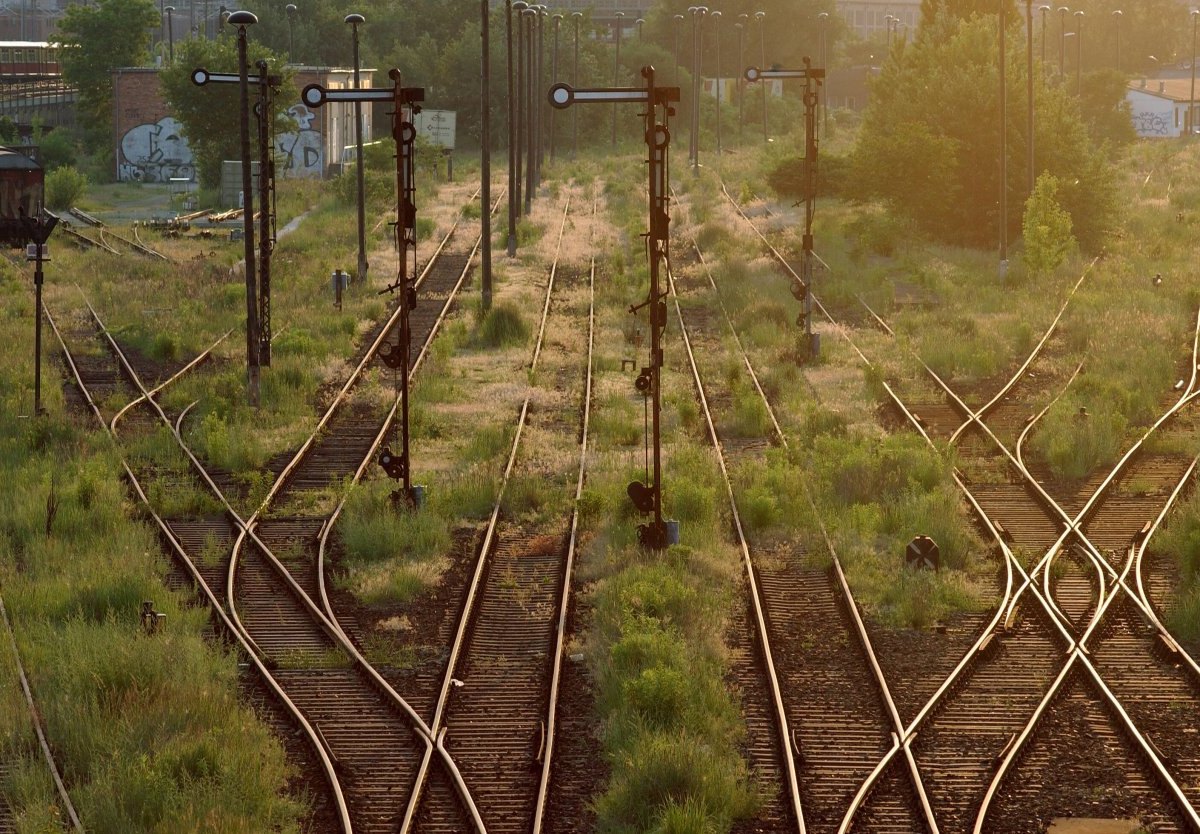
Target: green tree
[[210, 114], [966, 9], [930, 141], [102, 37], [1105, 108], [1046, 229]]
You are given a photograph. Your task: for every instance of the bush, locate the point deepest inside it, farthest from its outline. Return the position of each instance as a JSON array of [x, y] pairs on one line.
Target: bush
[[1047, 229], [64, 187], [501, 326]]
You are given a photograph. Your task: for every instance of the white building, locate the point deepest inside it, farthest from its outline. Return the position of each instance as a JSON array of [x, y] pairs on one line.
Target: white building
[[870, 18], [1159, 107]]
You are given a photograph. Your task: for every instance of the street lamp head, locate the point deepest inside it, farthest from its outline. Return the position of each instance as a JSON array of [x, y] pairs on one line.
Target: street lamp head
[[619, 14], [1063, 10], [738, 26], [759, 16], [556, 17], [823, 16], [714, 14], [579, 15], [1044, 8], [1118, 13], [354, 18], [169, 9], [520, 5], [679, 17], [243, 18], [291, 9], [641, 21]]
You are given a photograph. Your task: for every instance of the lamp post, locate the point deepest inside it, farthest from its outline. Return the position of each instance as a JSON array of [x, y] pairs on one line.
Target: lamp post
[[514, 155], [518, 121], [485, 158], [1117, 15], [170, 12], [1003, 152], [354, 20], [577, 17], [1043, 9], [822, 28], [1029, 88], [291, 10], [241, 20], [762, 46], [741, 25], [1191, 117], [1062, 42], [887, 23], [557, 18], [535, 95], [616, 73], [1078, 52], [698, 13], [716, 17], [529, 15], [678, 60], [640, 22]]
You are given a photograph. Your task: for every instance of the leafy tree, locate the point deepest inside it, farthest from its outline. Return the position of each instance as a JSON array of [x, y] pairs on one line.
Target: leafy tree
[[930, 142], [1046, 228], [210, 115], [1105, 109], [966, 9], [100, 38]]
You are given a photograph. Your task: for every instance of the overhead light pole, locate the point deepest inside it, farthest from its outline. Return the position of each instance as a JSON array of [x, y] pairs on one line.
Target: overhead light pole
[[1079, 52], [741, 25], [170, 11], [640, 22], [823, 32], [762, 46], [616, 73], [678, 58], [1029, 89], [355, 20], [1044, 9], [1003, 152], [520, 7], [536, 95], [697, 77], [1062, 42], [1117, 15], [514, 153], [485, 157], [291, 10], [576, 17], [888, 20], [530, 17], [716, 18], [558, 19]]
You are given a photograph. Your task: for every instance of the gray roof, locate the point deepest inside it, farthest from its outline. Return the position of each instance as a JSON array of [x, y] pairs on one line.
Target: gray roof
[[11, 160]]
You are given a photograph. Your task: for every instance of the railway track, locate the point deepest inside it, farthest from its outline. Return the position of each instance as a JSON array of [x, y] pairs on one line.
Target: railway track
[[1067, 606], [496, 703], [354, 719]]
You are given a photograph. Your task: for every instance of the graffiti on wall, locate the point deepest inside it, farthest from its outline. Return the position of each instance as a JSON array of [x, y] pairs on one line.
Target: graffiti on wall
[[156, 152], [1151, 123], [302, 151]]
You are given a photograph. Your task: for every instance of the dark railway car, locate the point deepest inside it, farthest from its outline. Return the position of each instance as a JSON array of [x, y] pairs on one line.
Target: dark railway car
[[28, 60], [21, 181]]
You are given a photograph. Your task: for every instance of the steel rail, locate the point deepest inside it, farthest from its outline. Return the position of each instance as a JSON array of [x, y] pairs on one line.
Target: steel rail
[[201, 358], [560, 633], [785, 736], [245, 530], [844, 586], [35, 718], [481, 561], [215, 605]]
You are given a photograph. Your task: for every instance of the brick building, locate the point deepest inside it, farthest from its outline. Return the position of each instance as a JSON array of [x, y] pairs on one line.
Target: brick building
[[151, 147]]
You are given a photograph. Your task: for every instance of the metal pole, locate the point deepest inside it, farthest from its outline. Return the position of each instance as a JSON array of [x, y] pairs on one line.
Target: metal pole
[[530, 16], [616, 75], [354, 20], [291, 17], [1117, 15], [1079, 53], [823, 18], [1029, 90], [519, 7], [1062, 42], [1043, 9], [554, 76], [242, 19], [678, 56], [265, 177], [485, 159], [743, 22], [170, 34], [762, 43], [536, 94], [692, 97], [513, 133], [1003, 154], [577, 16], [716, 16]]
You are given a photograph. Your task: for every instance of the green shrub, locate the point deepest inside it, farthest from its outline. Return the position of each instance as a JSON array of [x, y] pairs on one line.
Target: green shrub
[[501, 326], [1047, 229], [65, 187]]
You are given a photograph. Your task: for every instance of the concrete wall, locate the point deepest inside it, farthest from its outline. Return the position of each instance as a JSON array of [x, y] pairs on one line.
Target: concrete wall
[[1155, 116]]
